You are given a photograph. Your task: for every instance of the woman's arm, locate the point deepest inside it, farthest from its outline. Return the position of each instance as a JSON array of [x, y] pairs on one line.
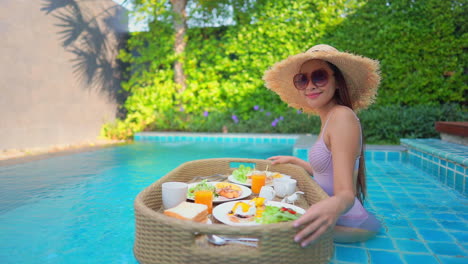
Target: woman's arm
[[345, 147], [293, 160]]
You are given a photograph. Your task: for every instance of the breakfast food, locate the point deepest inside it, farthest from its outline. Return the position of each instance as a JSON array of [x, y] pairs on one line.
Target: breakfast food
[[243, 212], [201, 186], [244, 174], [223, 190], [274, 214], [258, 211], [228, 190], [189, 211]]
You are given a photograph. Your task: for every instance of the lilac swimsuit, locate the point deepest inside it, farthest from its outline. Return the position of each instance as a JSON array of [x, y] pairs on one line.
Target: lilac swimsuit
[[322, 166]]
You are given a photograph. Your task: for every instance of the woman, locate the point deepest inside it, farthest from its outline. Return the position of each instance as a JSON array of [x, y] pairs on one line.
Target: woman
[[331, 84]]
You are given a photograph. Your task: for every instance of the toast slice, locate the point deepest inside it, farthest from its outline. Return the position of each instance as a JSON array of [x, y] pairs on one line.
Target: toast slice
[[189, 211]]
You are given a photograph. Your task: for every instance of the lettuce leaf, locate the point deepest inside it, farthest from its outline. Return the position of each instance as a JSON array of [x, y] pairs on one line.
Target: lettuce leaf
[[203, 185], [273, 214], [240, 174]]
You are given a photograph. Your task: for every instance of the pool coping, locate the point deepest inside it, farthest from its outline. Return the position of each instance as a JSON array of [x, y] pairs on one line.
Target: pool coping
[[302, 140], [442, 160]]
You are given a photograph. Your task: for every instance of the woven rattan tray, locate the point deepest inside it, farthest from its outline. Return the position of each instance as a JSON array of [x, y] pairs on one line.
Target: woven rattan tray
[[162, 239]]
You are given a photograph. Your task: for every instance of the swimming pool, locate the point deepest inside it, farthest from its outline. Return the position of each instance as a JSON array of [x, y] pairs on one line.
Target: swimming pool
[[79, 208]]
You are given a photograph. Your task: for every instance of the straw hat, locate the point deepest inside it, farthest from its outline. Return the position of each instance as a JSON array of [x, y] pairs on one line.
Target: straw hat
[[361, 74]]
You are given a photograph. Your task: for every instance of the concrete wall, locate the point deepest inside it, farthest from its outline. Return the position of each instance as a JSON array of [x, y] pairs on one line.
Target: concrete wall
[[59, 79]]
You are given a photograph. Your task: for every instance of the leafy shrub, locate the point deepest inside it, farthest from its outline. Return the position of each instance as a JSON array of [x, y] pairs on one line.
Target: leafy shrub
[[421, 46], [387, 124]]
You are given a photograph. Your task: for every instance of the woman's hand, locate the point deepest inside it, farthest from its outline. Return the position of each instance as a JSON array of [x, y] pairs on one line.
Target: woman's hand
[[318, 219], [281, 159], [293, 160]]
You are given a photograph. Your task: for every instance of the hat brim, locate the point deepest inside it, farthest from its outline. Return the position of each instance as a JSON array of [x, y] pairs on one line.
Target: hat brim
[[361, 74]]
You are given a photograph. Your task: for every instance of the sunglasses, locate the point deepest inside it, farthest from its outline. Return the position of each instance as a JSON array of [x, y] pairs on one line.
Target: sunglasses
[[319, 78]]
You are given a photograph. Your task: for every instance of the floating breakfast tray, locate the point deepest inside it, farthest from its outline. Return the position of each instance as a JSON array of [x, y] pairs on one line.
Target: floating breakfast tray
[[163, 239]]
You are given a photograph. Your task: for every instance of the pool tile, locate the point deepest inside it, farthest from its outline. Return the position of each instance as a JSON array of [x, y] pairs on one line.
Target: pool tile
[[442, 174], [351, 254], [454, 225], [380, 243], [462, 213], [459, 169], [381, 257], [459, 181], [453, 260], [460, 236], [422, 259], [450, 178], [412, 216], [424, 223], [446, 216], [403, 232], [379, 156], [393, 156], [450, 249], [398, 222], [451, 165], [435, 235], [411, 246]]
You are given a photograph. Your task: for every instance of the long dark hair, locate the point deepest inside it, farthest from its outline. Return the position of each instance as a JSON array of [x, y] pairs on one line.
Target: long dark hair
[[342, 98]]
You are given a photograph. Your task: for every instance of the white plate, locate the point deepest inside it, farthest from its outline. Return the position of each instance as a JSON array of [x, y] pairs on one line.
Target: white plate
[[221, 211], [249, 182], [245, 192]]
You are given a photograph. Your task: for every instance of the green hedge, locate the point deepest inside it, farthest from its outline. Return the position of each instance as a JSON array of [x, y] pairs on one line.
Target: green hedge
[[421, 46], [419, 43], [387, 124]]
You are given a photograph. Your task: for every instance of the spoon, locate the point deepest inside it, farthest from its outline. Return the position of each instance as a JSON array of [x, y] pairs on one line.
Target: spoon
[[217, 240]]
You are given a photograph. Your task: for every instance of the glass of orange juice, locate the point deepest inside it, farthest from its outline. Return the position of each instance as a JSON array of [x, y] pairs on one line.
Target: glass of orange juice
[[258, 181], [205, 197]]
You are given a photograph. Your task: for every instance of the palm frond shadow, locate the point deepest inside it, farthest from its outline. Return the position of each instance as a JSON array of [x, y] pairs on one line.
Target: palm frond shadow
[[89, 37]]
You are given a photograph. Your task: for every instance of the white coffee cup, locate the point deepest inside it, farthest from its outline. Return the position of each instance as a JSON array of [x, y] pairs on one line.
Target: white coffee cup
[[284, 186], [267, 192], [173, 193]]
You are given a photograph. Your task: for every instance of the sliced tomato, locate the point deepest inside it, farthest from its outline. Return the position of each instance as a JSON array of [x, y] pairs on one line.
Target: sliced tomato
[[291, 211]]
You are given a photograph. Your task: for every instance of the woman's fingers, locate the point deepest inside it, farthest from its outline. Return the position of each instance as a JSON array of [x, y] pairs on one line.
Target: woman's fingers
[[314, 236], [309, 228], [275, 159], [307, 218], [314, 225]]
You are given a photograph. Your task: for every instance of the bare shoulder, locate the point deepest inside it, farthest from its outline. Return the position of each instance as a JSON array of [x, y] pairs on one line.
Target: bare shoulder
[[345, 116], [344, 129]]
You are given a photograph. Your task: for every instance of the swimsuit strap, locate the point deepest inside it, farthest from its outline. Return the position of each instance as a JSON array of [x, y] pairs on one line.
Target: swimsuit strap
[[326, 123]]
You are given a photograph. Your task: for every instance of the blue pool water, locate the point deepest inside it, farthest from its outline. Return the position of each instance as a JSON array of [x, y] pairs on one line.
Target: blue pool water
[[79, 208]]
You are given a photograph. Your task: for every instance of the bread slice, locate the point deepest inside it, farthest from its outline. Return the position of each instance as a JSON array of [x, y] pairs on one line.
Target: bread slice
[[189, 211]]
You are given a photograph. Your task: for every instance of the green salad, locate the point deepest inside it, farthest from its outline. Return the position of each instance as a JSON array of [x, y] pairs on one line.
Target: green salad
[[203, 185], [273, 214], [240, 174]]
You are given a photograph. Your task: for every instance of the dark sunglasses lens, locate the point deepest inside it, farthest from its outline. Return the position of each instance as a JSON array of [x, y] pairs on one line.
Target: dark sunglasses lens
[[300, 81], [319, 78]]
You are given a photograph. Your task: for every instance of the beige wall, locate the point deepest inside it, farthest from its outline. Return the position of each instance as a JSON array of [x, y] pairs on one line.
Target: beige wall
[[45, 98]]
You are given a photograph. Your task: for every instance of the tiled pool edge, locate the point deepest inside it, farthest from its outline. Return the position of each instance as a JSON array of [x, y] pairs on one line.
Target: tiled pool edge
[[301, 142], [215, 137], [445, 161]]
